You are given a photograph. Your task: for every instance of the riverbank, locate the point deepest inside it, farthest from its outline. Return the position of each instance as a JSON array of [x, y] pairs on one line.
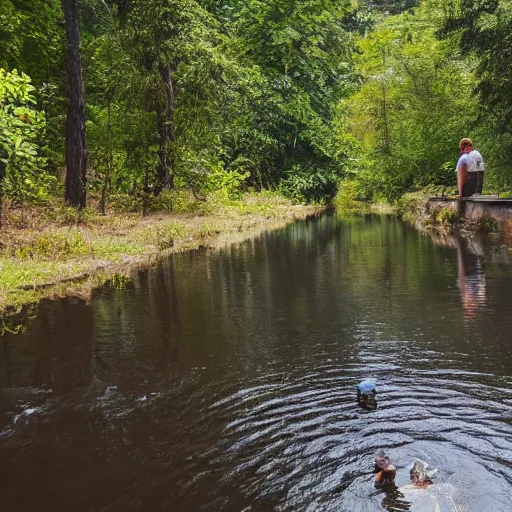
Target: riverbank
[[54, 252], [474, 216]]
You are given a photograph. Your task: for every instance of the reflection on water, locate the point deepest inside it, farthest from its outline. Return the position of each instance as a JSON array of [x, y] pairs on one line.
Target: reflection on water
[[225, 381], [471, 280]]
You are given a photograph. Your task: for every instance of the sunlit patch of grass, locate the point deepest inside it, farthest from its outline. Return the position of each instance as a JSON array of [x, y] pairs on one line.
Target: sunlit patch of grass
[[114, 250], [167, 234], [15, 273], [60, 251], [207, 229]]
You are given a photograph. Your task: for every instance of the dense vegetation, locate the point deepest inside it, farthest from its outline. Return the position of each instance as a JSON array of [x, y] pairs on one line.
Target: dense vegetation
[[430, 76], [306, 97]]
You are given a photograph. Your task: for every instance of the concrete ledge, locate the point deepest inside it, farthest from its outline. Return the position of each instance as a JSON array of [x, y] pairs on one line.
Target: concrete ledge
[[477, 207]]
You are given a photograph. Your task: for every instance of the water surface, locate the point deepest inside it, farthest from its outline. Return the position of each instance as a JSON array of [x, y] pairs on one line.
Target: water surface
[[225, 381]]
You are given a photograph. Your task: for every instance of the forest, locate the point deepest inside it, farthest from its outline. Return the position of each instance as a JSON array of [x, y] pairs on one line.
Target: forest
[[123, 103]]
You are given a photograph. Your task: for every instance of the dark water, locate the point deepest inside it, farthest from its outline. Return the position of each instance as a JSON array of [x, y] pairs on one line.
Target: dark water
[[225, 381]]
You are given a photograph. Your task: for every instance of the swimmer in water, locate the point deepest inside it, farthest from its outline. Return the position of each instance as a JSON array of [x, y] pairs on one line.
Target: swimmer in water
[[366, 393], [413, 497], [419, 476], [386, 472], [418, 493]]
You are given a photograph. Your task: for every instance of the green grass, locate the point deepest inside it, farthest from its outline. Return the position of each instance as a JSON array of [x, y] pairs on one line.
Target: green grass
[[57, 244]]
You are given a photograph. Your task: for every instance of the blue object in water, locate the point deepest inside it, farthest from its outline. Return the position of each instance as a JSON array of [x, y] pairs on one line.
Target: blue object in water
[[366, 386]]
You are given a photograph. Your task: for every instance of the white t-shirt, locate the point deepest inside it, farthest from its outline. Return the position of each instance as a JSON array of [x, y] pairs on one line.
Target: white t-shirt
[[473, 160]]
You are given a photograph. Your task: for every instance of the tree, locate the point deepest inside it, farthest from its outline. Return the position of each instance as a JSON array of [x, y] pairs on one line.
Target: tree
[[22, 168], [303, 52], [33, 42], [76, 155], [411, 109], [160, 36]]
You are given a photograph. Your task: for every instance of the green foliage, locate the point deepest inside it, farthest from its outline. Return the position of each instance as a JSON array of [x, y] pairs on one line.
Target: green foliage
[[447, 217], [30, 37], [208, 229], [118, 282], [167, 234], [412, 108], [32, 41], [52, 245], [217, 97], [21, 129], [229, 182], [483, 28], [487, 224], [126, 203], [63, 215], [176, 201], [350, 198], [411, 206], [309, 185]]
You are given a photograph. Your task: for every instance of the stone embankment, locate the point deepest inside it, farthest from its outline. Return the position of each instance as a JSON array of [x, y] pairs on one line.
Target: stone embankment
[[477, 211]]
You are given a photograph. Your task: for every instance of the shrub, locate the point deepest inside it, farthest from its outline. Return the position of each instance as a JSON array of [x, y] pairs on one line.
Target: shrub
[[208, 229], [309, 185], [229, 182], [22, 167], [168, 233], [53, 245], [447, 217], [487, 224], [349, 197], [176, 201], [63, 215], [126, 203]]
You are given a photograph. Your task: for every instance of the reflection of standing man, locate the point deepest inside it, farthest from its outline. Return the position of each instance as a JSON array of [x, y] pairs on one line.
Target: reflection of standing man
[[471, 280], [470, 170]]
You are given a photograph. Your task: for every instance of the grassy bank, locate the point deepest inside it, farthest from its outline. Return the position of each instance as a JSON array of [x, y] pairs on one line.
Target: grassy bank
[[54, 251]]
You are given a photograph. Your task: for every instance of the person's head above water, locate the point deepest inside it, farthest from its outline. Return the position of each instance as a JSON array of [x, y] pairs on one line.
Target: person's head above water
[[366, 391], [419, 475], [367, 387], [381, 461], [386, 472]]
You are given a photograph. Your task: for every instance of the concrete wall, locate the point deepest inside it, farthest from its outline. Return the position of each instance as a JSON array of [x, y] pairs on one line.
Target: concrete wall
[[475, 209]]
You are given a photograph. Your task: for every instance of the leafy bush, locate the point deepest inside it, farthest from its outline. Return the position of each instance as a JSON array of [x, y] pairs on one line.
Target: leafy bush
[[229, 183], [53, 245], [487, 224], [208, 229], [176, 201], [167, 234], [349, 198], [64, 215], [126, 203], [447, 217], [22, 168], [309, 185]]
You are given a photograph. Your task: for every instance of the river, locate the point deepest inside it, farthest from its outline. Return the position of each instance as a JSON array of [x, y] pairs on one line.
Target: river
[[225, 381]]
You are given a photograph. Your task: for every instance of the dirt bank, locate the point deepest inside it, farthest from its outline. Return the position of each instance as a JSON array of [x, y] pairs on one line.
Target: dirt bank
[[46, 258]]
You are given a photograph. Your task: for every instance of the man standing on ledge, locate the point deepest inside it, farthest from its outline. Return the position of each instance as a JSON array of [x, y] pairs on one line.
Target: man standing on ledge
[[470, 170]]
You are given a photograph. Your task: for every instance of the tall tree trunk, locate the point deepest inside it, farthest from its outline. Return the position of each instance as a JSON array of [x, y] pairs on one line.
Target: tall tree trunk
[[123, 9], [76, 156], [166, 152]]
